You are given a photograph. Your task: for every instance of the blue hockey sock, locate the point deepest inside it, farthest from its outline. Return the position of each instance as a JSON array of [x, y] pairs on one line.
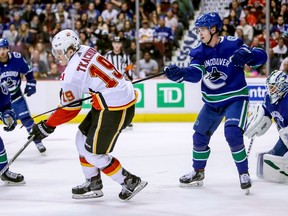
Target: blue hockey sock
[[3, 156]]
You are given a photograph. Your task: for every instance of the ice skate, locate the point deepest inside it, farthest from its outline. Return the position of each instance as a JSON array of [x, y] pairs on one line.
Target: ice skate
[[89, 189], [12, 178], [192, 179], [245, 182], [41, 148], [131, 186]]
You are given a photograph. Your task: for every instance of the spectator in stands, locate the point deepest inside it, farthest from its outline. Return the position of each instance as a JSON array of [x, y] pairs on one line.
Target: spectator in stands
[[50, 21], [285, 66], [125, 9], [171, 21], [16, 19], [234, 20], [92, 12], [260, 26], [147, 8], [61, 10], [44, 36], [282, 64], [248, 30], [274, 61], [164, 35], [109, 14], [120, 21], [129, 32], [280, 26], [131, 51], [250, 18], [280, 50], [64, 22], [284, 11], [54, 73], [274, 9], [38, 66], [10, 34], [145, 33], [227, 27], [256, 43], [182, 17], [147, 66], [28, 13], [42, 52], [154, 20], [234, 5]]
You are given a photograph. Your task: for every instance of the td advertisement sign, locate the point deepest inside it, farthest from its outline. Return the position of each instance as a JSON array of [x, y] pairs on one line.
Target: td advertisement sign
[[170, 95]]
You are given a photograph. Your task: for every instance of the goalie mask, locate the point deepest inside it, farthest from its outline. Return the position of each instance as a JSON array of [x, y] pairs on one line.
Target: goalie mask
[[277, 85]]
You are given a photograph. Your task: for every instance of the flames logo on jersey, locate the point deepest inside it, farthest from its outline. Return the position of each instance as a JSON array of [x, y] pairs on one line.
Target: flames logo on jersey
[[214, 79]]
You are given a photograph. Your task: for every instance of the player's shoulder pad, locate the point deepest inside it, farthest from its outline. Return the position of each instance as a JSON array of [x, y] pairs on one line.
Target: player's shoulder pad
[[196, 49], [233, 40], [16, 55]]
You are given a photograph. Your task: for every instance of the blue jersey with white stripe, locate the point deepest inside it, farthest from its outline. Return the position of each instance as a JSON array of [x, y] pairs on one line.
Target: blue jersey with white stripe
[[222, 82], [277, 111], [10, 72]]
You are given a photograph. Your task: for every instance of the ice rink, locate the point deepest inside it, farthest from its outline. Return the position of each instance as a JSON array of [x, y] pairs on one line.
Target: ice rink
[[159, 153]]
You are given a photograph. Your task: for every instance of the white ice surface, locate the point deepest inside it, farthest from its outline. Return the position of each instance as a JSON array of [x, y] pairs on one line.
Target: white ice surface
[[159, 153]]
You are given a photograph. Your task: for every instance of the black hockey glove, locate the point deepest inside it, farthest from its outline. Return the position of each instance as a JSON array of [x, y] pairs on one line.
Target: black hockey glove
[[173, 73], [41, 131], [30, 88], [9, 119], [241, 57]]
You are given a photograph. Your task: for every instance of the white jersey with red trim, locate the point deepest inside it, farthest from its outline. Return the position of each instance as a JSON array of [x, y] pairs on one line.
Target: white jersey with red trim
[[89, 72]]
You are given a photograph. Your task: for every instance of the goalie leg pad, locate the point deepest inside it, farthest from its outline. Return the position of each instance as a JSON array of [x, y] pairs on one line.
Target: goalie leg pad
[[275, 168], [283, 132]]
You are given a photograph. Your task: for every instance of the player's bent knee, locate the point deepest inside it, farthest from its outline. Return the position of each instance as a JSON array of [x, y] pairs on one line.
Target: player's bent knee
[[275, 168], [200, 141], [234, 137]]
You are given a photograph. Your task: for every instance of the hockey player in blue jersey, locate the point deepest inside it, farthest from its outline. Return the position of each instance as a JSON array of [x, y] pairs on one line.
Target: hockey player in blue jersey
[[218, 62], [8, 116], [12, 66], [274, 106]]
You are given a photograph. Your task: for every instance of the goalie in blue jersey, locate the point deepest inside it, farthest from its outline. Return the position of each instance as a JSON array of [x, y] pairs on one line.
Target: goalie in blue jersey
[[12, 67], [7, 115], [219, 63]]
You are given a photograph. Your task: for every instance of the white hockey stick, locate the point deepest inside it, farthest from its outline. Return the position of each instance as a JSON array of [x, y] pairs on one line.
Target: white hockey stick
[[16, 155], [250, 146]]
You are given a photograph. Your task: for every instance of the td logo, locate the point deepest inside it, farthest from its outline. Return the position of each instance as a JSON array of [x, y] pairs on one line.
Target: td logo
[[170, 95], [139, 88]]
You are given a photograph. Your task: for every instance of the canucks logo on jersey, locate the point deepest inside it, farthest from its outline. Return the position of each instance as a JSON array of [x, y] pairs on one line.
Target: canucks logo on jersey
[[214, 79]]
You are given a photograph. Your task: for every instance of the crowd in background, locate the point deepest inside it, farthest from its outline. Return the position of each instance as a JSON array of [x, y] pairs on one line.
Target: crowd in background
[[247, 20], [29, 26]]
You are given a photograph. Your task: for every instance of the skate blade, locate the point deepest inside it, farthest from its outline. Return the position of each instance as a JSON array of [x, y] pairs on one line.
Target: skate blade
[[10, 183], [94, 194], [192, 184], [138, 189], [247, 191]]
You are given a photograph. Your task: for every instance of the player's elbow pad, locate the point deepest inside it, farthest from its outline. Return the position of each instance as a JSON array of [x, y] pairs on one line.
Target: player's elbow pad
[[259, 57]]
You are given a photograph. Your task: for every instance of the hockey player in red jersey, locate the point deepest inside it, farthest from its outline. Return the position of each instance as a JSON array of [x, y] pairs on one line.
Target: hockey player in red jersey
[[113, 108]]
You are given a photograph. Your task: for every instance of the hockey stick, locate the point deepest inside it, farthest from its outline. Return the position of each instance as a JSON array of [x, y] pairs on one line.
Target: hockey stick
[[87, 98], [250, 146], [16, 155]]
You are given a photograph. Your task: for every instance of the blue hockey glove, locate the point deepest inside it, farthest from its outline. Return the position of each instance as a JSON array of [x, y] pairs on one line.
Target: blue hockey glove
[[30, 88], [9, 119], [241, 57], [41, 131], [174, 73]]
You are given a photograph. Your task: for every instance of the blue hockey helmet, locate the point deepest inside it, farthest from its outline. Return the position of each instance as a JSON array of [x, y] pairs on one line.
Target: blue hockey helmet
[[209, 20], [277, 85], [4, 43]]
